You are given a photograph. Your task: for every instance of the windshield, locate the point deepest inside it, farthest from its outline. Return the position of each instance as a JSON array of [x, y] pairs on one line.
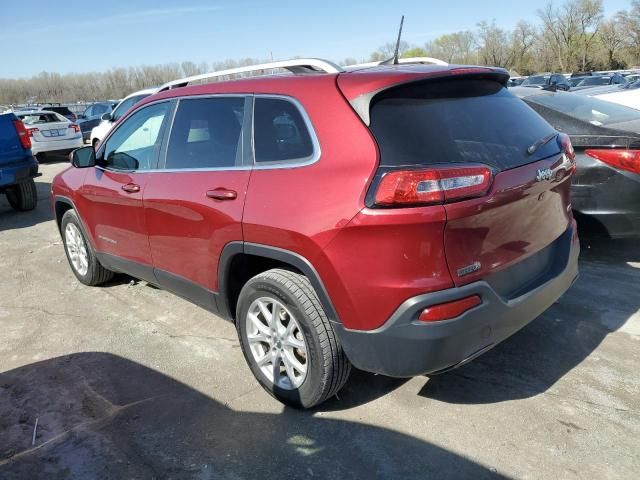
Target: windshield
[[595, 81], [588, 109], [537, 80], [126, 104], [575, 81]]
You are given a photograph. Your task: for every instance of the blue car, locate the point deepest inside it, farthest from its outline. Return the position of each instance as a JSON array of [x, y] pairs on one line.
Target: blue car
[[18, 167]]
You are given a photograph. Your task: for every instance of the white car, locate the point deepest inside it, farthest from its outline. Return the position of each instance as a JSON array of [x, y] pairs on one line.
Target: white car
[[108, 119], [50, 132], [627, 97]]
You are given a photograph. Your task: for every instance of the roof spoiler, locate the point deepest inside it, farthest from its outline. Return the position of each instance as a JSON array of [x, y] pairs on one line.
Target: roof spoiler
[[361, 103]]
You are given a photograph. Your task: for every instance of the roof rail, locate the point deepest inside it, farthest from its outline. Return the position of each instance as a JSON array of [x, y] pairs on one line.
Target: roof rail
[[297, 65], [409, 60]]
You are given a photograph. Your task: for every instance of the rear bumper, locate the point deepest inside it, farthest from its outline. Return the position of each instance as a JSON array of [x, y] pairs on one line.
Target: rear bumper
[[404, 347], [18, 172], [57, 145]]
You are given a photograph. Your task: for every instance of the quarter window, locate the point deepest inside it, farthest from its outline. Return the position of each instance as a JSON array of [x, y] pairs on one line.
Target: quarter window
[[280, 132], [136, 143], [207, 133]]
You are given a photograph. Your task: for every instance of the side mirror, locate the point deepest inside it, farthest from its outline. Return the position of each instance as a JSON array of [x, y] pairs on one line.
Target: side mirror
[[106, 116], [83, 157], [81, 116]]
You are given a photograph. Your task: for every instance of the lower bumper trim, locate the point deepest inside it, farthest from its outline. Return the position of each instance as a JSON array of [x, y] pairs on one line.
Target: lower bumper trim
[[405, 347]]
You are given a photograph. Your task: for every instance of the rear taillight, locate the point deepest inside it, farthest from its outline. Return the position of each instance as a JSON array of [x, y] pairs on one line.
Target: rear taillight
[[567, 148], [430, 186], [23, 135], [75, 127], [628, 160], [449, 310], [565, 143], [31, 131]]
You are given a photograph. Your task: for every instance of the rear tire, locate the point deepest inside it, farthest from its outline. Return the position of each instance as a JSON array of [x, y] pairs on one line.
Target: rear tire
[[311, 341], [82, 258], [23, 196]]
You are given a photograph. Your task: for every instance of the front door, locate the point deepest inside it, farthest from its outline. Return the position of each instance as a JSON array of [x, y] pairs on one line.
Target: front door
[[194, 203], [110, 200]]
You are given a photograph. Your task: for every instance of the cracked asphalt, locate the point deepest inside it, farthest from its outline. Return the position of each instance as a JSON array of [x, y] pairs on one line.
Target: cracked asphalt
[[129, 381]]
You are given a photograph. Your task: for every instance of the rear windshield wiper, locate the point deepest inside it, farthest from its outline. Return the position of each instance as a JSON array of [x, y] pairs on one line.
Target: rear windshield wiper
[[543, 141]]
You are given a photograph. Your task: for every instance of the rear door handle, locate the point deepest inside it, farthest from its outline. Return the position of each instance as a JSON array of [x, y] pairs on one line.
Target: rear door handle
[[222, 194], [131, 188]]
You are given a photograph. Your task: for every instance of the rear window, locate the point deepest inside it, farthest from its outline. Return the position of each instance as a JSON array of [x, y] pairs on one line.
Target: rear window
[[587, 109], [595, 81], [537, 80], [457, 121], [38, 118]]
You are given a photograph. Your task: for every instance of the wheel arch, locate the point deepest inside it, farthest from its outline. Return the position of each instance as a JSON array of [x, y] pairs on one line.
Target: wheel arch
[[256, 258], [61, 205]]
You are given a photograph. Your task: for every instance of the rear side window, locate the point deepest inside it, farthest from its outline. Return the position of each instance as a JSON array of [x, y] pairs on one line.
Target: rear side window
[[457, 121], [279, 132], [207, 133]]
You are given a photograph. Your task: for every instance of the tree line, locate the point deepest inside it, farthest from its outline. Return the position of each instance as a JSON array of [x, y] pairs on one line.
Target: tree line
[[574, 36], [569, 37]]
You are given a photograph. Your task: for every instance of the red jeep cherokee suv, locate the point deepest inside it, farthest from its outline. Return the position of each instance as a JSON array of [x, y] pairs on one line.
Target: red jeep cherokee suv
[[402, 219]]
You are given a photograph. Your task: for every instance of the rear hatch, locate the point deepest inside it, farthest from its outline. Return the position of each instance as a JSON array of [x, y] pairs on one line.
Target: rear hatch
[[471, 121], [49, 127]]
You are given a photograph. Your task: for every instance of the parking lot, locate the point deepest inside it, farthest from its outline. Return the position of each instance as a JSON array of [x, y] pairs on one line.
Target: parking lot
[[129, 381]]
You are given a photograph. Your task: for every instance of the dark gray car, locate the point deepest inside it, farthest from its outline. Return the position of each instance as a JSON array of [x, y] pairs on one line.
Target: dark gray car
[[606, 138], [92, 115]]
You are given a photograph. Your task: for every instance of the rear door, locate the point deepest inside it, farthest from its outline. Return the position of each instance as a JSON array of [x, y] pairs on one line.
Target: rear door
[[464, 121], [194, 203], [110, 200]]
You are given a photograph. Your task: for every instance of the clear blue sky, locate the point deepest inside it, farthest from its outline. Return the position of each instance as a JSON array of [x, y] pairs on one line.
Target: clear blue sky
[[79, 35]]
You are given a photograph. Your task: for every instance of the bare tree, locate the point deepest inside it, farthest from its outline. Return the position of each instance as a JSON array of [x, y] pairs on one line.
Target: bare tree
[[612, 40], [589, 17], [493, 44], [387, 50], [457, 47], [523, 39]]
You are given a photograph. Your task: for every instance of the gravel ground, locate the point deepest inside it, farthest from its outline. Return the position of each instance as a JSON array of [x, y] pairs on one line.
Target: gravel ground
[[129, 381]]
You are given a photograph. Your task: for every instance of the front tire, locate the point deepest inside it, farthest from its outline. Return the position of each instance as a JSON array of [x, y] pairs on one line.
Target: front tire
[[82, 258], [23, 196], [296, 356]]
